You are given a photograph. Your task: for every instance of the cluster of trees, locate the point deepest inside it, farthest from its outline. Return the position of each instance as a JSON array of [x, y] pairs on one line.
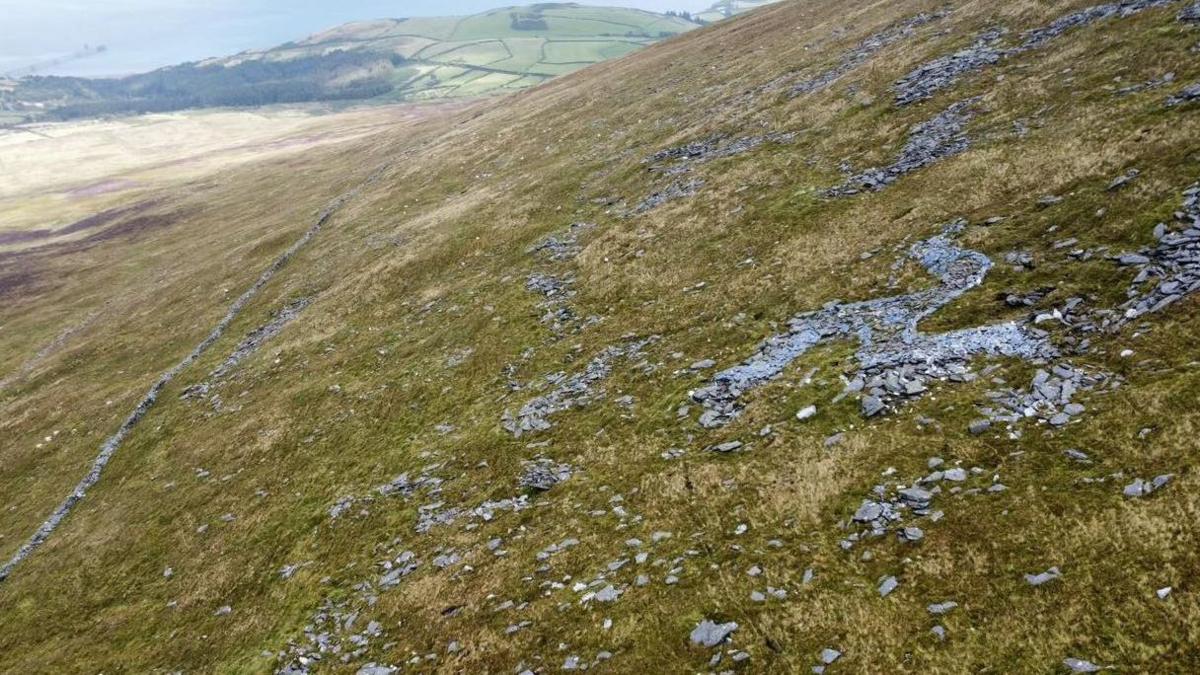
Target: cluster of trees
[[250, 83]]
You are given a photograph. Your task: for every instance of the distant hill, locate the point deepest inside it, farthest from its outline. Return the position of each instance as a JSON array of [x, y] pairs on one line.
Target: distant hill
[[723, 9], [383, 60]]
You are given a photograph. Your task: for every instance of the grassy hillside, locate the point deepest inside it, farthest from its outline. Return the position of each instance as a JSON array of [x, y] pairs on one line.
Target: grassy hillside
[[500, 50], [495, 52], [869, 348]]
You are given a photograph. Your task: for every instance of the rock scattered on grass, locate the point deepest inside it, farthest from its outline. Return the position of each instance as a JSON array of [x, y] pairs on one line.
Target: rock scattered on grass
[[710, 634], [888, 585], [941, 136], [1143, 488], [1043, 577], [1080, 666]]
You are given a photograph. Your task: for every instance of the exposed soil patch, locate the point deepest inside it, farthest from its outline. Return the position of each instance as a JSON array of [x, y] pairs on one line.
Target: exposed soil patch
[[101, 188], [93, 221], [10, 282]]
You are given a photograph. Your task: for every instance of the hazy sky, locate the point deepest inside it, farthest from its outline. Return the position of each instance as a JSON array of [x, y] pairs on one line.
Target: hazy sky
[[145, 34]]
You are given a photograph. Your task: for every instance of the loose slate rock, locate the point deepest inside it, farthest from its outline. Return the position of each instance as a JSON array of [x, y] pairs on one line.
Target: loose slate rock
[[868, 512], [941, 608], [1080, 666], [871, 406], [1191, 13], [1043, 577], [1142, 488], [543, 474], [888, 585], [710, 634]]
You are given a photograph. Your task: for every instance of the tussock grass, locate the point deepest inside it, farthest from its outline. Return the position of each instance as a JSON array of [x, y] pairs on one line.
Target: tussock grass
[[432, 259]]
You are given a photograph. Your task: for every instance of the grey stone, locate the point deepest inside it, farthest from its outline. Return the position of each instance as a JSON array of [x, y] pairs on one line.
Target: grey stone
[[1191, 13], [710, 634], [1186, 95], [374, 669], [1080, 666], [1043, 577], [1123, 180], [607, 594], [872, 406], [806, 412], [941, 608], [728, 446], [932, 76], [676, 190], [862, 52], [829, 655], [979, 426], [888, 585], [543, 474], [957, 474], [941, 136], [1130, 259], [916, 496], [886, 329], [572, 391], [868, 511]]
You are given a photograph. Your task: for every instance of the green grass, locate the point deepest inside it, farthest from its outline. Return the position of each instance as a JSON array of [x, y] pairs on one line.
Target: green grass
[[378, 60], [574, 36]]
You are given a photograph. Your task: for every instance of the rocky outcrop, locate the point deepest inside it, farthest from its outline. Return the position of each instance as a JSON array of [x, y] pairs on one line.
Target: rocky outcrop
[[1169, 270], [862, 52], [895, 358], [933, 76], [942, 136], [570, 391]]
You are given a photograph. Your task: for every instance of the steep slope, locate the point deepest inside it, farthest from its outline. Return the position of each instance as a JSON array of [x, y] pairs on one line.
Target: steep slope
[[868, 348]]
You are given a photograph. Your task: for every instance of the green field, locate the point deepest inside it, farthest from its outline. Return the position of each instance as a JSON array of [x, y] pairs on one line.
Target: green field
[[490, 52], [382, 60], [724, 9]]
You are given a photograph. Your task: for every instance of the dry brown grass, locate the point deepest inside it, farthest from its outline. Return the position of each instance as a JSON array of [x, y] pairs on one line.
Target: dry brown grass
[[449, 223]]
